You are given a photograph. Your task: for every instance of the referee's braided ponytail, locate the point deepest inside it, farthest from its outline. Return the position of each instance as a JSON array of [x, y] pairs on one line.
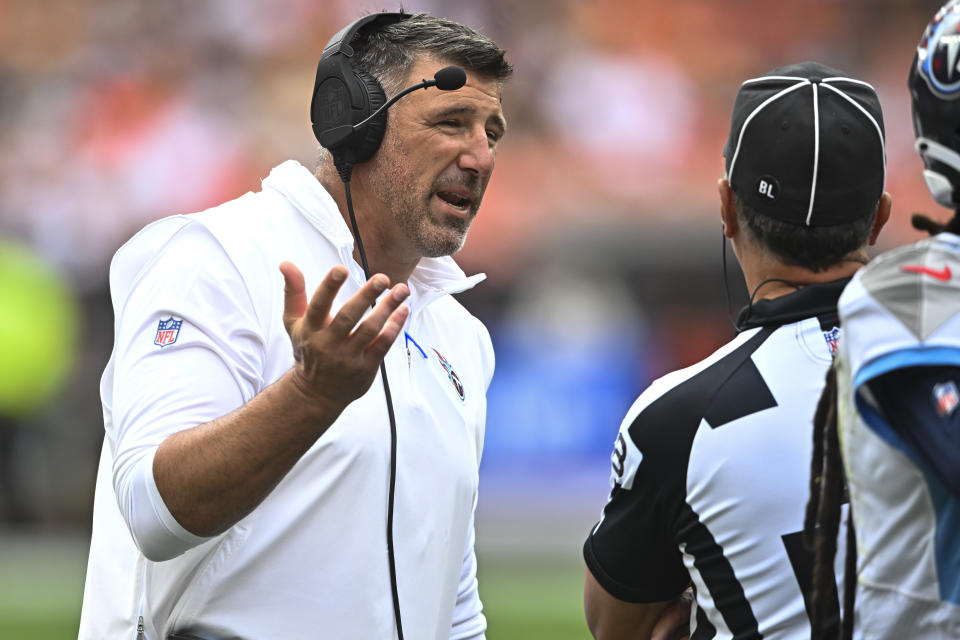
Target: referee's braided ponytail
[[822, 522]]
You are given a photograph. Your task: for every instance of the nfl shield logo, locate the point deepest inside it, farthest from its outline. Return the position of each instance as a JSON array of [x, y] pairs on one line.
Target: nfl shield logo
[[833, 340], [167, 332], [946, 398]]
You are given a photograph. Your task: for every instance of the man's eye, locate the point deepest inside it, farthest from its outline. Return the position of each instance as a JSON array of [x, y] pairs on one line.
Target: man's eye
[[493, 136]]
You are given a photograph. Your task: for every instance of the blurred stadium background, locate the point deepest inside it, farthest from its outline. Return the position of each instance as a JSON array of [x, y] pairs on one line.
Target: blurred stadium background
[[599, 232]]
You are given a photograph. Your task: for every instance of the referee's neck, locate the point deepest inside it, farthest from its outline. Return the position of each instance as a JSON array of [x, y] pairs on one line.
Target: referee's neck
[[769, 278]]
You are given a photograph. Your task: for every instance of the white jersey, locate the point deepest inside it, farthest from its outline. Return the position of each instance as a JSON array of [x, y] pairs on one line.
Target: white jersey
[[899, 427], [711, 476], [198, 302]]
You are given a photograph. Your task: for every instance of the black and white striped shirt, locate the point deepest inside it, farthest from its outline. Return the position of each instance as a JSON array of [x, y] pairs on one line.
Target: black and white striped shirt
[[711, 473]]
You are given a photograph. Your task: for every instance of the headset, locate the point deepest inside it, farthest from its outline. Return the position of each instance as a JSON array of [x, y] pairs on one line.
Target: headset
[[349, 107], [348, 112], [346, 96]]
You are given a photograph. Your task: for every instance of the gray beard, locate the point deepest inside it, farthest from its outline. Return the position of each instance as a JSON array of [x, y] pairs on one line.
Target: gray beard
[[435, 243]]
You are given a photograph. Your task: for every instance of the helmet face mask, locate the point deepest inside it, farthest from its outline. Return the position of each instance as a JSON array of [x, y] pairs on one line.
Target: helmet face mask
[[934, 83]]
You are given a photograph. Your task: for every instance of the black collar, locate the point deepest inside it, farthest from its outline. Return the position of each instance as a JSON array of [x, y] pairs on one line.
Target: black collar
[[808, 302]]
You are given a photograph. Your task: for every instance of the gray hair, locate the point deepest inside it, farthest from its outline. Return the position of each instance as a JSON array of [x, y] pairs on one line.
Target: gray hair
[[388, 53]]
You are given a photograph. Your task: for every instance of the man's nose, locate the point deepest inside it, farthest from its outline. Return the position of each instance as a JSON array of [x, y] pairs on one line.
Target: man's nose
[[477, 155]]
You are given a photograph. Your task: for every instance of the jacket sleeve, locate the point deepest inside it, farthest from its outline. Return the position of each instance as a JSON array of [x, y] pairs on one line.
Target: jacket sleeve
[[469, 623], [187, 351]]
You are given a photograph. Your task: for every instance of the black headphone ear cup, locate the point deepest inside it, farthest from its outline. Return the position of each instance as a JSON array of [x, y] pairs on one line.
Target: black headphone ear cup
[[330, 107], [374, 130]]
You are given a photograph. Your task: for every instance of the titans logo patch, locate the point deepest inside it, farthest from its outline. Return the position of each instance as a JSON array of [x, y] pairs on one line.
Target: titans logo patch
[[454, 378]]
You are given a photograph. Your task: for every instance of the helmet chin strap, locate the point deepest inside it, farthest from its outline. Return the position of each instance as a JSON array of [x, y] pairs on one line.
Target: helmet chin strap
[[939, 185]]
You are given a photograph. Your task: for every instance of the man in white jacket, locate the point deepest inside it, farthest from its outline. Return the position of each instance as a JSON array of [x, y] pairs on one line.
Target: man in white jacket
[[246, 486]]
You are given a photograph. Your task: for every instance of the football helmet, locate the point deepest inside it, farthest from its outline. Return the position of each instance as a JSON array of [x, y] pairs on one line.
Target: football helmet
[[935, 95]]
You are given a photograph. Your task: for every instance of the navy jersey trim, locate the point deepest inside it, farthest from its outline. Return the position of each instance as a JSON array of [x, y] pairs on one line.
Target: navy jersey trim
[[908, 402]]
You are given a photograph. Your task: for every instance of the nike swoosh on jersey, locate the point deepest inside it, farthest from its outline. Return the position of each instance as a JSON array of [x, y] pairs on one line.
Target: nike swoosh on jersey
[[939, 274]]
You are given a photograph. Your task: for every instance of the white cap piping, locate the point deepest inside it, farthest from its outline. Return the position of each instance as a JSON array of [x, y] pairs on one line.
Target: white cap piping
[[816, 151], [876, 126], [736, 152]]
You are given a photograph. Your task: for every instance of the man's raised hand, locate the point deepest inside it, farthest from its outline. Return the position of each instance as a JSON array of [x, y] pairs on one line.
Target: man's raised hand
[[337, 357]]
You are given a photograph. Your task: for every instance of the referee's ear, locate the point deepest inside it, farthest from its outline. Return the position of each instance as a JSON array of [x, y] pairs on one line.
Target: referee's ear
[[883, 214], [728, 212]]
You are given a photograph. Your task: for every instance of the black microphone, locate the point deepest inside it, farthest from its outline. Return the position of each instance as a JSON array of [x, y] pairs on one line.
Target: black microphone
[[446, 79], [449, 78]]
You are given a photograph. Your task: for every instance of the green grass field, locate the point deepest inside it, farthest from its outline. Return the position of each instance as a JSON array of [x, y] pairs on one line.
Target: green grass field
[[533, 598], [41, 586], [525, 597]]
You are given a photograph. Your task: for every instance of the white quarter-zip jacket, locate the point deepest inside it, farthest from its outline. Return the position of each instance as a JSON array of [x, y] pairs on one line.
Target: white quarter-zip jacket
[[198, 304]]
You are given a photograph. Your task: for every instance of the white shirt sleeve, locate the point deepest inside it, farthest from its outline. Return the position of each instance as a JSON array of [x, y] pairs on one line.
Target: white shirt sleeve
[[210, 365], [469, 623]]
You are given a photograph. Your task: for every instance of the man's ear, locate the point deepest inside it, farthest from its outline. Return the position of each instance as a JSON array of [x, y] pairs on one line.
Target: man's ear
[[883, 214], [728, 212]]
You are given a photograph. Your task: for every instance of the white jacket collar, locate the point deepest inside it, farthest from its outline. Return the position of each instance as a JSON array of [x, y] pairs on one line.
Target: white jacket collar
[[295, 183], [432, 277]]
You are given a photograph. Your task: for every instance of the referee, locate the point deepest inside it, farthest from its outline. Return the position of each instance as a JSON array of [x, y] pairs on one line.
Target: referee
[[711, 464]]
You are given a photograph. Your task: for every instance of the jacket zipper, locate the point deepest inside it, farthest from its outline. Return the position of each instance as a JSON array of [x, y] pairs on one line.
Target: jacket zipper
[[408, 339], [141, 634]]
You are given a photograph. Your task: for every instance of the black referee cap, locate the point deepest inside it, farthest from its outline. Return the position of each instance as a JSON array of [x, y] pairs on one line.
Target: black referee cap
[[806, 146]]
